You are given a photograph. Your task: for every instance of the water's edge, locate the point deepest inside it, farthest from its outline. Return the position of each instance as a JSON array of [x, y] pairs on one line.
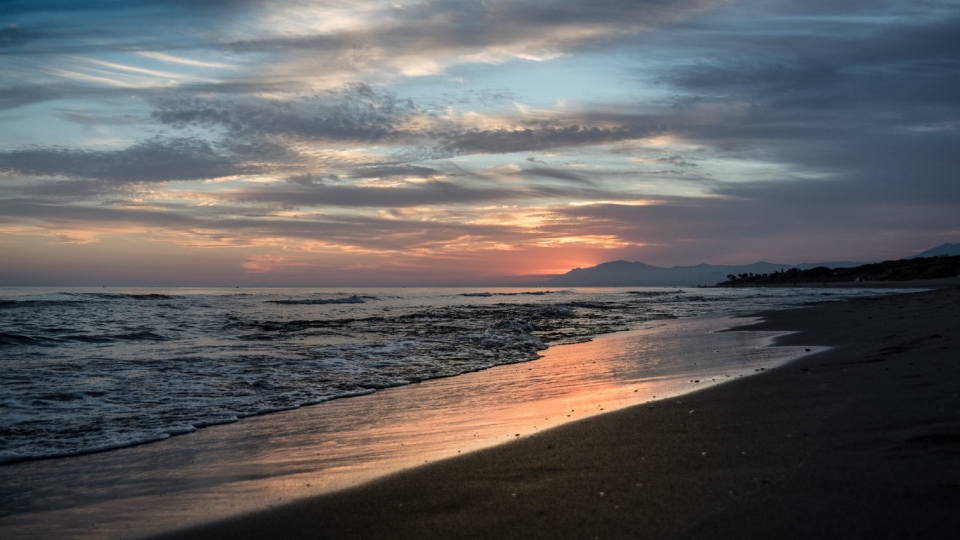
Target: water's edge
[[274, 459]]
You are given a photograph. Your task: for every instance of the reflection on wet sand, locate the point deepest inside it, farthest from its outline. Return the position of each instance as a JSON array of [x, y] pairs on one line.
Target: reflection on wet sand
[[273, 459]]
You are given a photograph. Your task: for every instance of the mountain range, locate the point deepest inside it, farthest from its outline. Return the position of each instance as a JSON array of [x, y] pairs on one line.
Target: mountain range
[[945, 249], [638, 274]]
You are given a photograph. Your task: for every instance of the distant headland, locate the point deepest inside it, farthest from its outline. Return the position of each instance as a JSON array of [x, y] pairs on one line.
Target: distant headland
[[924, 265]]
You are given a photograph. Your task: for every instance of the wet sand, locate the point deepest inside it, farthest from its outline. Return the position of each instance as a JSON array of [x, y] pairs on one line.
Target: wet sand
[[858, 441]]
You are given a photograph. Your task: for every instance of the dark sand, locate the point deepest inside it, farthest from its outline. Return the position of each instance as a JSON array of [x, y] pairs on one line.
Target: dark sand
[[862, 441]]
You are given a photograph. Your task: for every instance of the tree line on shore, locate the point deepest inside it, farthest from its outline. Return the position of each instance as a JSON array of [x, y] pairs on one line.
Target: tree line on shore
[[899, 270]]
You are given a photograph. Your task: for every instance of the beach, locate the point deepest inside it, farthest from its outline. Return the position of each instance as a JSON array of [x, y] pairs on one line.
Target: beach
[[487, 269], [269, 460], [861, 440]]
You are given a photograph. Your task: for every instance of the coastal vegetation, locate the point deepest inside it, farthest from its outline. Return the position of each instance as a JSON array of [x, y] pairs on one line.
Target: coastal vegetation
[[899, 270]]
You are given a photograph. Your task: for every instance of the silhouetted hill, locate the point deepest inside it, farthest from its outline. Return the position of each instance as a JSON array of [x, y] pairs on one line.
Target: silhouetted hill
[[831, 264], [944, 249], [900, 270], [637, 274]]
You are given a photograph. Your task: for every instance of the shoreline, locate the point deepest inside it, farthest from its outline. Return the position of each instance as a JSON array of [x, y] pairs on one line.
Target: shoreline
[[862, 440], [192, 425], [268, 460], [199, 422]]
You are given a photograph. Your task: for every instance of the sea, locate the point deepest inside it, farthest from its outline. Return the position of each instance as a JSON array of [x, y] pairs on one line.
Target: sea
[[91, 369]]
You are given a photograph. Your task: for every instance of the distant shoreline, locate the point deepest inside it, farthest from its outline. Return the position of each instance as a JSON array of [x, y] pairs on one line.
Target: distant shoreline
[[909, 284], [932, 269]]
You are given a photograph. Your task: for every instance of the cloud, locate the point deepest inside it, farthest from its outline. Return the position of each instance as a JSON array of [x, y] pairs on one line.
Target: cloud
[[874, 106], [447, 27], [154, 160], [790, 222], [361, 114], [893, 62], [19, 95], [400, 170], [86, 118], [431, 193], [556, 174], [357, 113], [204, 226], [502, 141], [12, 35]]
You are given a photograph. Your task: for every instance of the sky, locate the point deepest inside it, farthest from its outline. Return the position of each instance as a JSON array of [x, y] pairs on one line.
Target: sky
[[442, 142]]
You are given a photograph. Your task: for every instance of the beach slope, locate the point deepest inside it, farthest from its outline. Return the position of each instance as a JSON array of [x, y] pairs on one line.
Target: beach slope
[[861, 441]]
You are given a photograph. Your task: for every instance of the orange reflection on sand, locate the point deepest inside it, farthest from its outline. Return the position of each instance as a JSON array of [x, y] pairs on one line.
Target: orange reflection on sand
[[404, 427]]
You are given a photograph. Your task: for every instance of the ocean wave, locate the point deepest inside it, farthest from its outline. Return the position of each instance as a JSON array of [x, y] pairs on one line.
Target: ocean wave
[[17, 339], [76, 299], [24, 340], [525, 293], [11, 304], [124, 296], [355, 299], [654, 294]]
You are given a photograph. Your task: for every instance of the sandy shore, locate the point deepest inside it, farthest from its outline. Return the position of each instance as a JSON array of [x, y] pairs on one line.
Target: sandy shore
[[861, 441]]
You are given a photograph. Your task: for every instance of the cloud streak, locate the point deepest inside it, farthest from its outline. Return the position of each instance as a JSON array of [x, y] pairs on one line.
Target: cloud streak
[[148, 161]]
